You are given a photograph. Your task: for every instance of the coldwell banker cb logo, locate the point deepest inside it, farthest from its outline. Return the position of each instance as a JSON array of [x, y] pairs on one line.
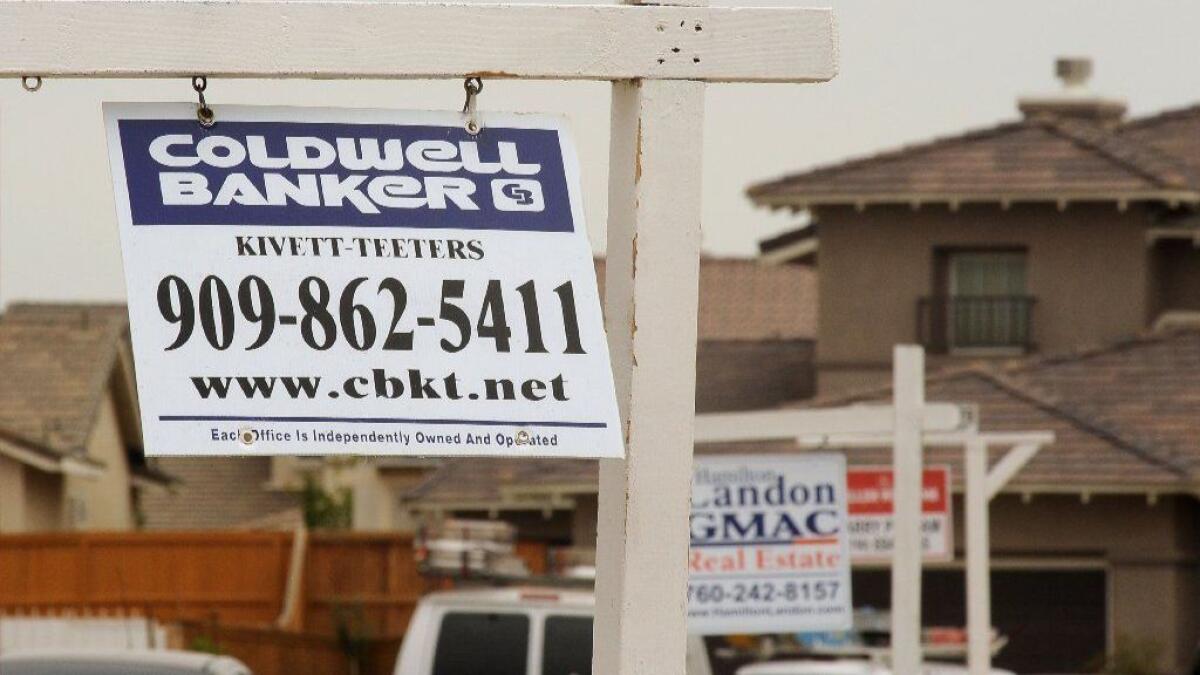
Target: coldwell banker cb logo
[[517, 194]]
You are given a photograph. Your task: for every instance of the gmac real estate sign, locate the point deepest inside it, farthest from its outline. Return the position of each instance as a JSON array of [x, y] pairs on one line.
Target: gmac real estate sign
[[871, 514], [352, 281], [768, 545]]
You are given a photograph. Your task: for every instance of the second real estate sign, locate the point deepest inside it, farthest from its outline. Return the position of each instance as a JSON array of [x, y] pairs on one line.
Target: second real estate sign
[[871, 514], [768, 545], [329, 281]]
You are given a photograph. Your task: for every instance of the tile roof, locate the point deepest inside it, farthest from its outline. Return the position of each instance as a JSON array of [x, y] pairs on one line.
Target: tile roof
[[1172, 132], [216, 492], [1086, 453], [1035, 159], [56, 362], [1146, 390], [745, 299], [1126, 416]]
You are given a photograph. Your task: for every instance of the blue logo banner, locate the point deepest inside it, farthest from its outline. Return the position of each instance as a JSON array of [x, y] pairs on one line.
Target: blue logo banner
[[337, 174]]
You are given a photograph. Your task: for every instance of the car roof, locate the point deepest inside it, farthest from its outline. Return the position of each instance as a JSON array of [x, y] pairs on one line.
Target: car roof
[[848, 667], [523, 597], [845, 667], [158, 657]]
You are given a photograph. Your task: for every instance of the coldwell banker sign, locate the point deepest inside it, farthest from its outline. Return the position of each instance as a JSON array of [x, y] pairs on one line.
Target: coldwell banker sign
[[375, 282], [769, 551]]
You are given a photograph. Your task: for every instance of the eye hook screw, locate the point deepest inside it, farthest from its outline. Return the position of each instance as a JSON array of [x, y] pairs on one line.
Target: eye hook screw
[[473, 87], [204, 114]]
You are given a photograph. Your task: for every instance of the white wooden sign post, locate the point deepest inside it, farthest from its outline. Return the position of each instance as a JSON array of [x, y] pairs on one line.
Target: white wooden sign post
[[907, 426], [658, 58]]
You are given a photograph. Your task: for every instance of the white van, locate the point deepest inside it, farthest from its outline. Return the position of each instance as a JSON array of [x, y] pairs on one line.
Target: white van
[[547, 631], [508, 631], [848, 667]]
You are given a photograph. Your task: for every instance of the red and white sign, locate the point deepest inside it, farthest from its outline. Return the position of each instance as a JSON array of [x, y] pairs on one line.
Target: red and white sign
[[870, 514]]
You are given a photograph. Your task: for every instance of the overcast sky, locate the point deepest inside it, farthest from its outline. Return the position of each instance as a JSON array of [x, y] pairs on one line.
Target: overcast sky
[[909, 70]]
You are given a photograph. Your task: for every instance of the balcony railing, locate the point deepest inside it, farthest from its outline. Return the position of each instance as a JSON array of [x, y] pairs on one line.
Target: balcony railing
[[949, 323]]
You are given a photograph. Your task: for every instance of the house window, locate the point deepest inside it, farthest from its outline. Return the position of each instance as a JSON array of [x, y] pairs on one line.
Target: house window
[[981, 301]]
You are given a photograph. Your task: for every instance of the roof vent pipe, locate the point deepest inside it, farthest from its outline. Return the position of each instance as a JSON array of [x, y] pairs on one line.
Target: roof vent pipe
[[1075, 100], [1074, 72]]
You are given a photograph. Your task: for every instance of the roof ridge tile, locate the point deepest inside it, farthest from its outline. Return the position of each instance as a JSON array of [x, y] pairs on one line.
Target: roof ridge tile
[[1145, 160]]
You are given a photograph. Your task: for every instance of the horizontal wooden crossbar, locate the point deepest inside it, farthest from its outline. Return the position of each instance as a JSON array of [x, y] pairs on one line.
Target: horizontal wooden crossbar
[[298, 39]]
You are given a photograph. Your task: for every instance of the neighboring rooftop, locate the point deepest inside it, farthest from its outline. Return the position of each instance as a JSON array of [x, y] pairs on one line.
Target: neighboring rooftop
[[1071, 146], [56, 363], [745, 299], [1124, 416], [218, 492]]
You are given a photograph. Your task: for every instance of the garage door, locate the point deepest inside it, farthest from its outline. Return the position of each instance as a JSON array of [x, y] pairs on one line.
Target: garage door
[[1056, 620]]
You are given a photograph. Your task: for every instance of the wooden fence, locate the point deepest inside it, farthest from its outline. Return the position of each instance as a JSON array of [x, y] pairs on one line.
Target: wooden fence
[[353, 594], [240, 578], [271, 651]]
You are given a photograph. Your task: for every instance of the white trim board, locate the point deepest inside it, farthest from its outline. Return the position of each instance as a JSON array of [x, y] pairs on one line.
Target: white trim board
[[324, 39]]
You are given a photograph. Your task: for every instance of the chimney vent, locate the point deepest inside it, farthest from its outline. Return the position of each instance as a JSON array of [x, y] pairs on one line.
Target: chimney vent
[[1074, 101], [1074, 72]]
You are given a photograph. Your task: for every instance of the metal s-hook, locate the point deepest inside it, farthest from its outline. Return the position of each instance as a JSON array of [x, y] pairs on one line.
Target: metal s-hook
[[204, 114], [31, 83], [473, 86]]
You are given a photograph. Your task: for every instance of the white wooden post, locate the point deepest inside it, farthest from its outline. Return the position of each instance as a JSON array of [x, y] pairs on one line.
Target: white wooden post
[[908, 373], [651, 288], [658, 57], [979, 596]]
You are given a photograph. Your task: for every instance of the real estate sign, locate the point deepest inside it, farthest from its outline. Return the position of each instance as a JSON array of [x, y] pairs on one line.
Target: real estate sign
[[768, 545], [372, 282], [871, 509]]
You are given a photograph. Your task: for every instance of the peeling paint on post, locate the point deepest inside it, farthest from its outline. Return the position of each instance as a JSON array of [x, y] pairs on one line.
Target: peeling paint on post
[[651, 295]]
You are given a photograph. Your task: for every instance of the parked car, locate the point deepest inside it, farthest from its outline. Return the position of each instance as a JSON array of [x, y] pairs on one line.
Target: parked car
[[548, 631], [847, 667], [126, 662], [508, 631]]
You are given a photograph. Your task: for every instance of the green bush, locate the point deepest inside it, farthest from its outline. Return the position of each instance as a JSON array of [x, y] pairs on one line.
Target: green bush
[[325, 510]]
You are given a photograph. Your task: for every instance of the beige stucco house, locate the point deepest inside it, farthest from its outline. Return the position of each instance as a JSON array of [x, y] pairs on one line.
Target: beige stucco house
[[1050, 266], [70, 440]]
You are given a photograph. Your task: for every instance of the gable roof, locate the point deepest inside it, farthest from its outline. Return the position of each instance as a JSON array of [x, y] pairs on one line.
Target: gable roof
[[1034, 159], [56, 364]]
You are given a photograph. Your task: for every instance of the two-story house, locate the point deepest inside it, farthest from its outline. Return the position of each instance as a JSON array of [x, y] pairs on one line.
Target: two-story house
[[1070, 226], [1051, 267]]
